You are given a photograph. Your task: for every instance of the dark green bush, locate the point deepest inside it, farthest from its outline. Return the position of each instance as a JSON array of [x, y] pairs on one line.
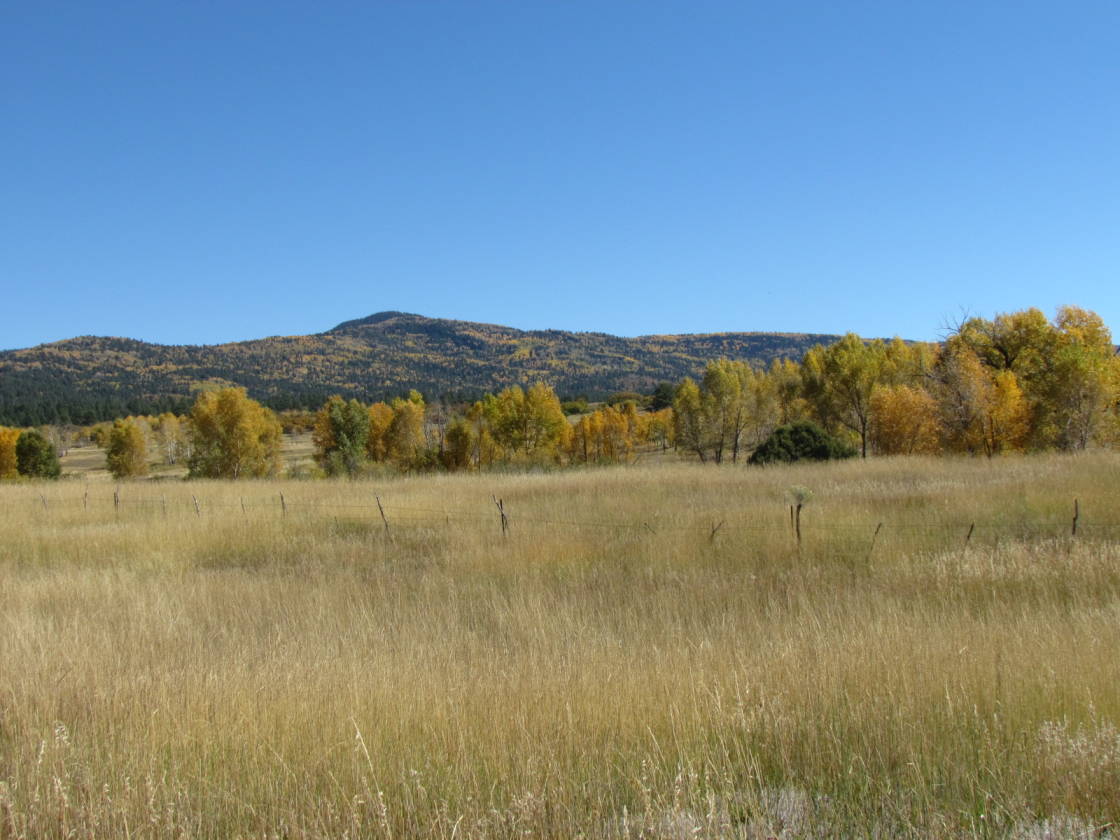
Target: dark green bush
[[801, 441]]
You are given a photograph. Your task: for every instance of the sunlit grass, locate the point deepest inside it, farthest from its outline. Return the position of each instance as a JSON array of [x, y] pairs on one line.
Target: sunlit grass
[[611, 668]]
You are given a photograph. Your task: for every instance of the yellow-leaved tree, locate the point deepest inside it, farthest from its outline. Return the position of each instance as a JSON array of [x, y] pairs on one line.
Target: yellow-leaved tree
[[8, 438], [127, 453], [404, 439], [377, 444], [529, 423], [904, 421], [1007, 416], [233, 436]]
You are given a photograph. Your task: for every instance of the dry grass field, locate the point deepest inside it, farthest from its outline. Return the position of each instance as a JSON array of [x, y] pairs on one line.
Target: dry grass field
[[648, 653]]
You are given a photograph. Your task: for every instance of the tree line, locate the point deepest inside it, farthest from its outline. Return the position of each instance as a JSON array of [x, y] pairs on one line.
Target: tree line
[[1014, 383]]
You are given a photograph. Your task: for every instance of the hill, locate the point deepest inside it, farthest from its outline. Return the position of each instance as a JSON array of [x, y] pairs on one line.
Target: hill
[[90, 378]]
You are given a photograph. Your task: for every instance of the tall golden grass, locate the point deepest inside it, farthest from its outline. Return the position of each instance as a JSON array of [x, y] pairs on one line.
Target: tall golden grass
[[621, 665]]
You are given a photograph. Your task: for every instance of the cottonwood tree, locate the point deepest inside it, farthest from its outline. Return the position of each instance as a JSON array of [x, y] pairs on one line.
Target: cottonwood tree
[[904, 421], [170, 437], [404, 439], [1064, 369], [839, 381], [458, 445], [377, 442], [1082, 389], [340, 435], [126, 455], [233, 436], [527, 423], [8, 463], [732, 409], [692, 429]]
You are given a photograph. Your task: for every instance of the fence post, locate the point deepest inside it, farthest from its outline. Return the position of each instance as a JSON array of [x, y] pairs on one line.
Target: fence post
[[117, 501], [502, 513], [715, 530], [874, 537], [968, 536], [197, 510], [1076, 516], [384, 519], [283, 506], [85, 498]]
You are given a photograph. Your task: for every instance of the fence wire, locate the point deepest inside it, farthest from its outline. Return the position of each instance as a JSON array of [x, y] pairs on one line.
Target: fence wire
[[710, 525]]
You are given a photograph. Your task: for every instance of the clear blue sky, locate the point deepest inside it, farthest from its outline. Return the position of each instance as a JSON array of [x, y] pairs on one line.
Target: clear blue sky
[[204, 171]]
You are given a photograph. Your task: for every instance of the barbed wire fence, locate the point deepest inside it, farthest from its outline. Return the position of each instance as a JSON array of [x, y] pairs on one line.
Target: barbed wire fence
[[384, 515]]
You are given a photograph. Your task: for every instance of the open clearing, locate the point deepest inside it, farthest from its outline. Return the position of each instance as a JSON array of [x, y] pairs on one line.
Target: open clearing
[[647, 653]]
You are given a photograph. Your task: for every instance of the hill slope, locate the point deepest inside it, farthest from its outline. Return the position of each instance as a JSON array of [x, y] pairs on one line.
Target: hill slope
[[90, 378]]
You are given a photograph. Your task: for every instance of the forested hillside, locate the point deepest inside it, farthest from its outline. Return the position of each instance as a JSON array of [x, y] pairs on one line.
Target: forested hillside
[[83, 380]]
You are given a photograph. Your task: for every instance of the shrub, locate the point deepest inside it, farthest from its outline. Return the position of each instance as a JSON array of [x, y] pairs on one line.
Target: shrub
[[801, 441]]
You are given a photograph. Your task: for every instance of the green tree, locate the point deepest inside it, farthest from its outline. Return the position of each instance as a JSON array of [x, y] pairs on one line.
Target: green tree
[[839, 381], [233, 436], [35, 457], [458, 445], [127, 452], [341, 435], [690, 419]]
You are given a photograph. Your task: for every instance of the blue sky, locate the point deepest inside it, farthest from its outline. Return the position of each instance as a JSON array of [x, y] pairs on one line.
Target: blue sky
[[196, 172]]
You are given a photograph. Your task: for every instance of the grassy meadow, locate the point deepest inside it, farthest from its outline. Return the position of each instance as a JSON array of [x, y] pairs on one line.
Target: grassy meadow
[[648, 653]]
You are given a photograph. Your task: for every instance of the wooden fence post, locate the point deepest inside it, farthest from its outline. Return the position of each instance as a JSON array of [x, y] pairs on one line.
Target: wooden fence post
[[384, 519], [715, 530], [502, 512], [1076, 516], [874, 537]]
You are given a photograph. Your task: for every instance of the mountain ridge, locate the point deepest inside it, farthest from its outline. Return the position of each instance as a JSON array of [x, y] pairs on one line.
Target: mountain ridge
[[88, 378]]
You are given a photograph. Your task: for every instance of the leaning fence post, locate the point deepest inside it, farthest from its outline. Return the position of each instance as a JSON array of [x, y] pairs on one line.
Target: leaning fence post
[[283, 506], [384, 519], [502, 513], [874, 537], [197, 510], [968, 536], [715, 530], [1076, 516], [44, 500]]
